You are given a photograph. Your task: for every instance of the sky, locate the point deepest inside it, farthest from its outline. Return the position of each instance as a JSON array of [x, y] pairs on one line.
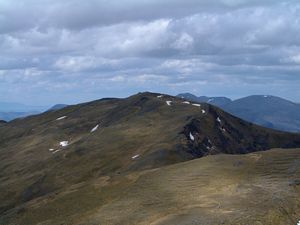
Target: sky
[[71, 51]]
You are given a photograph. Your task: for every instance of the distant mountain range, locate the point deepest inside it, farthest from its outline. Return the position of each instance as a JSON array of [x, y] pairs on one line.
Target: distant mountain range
[[8, 116], [265, 110], [10, 110]]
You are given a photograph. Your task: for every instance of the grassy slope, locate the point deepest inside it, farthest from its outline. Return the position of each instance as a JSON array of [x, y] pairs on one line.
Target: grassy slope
[[97, 167], [29, 170], [221, 189]]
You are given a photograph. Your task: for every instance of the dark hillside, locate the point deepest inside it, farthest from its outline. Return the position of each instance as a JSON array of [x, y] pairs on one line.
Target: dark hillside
[[44, 154]]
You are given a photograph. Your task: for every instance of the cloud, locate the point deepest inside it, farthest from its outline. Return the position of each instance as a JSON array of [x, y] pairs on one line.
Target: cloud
[[100, 46], [293, 59], [84, 63], [77, 14]]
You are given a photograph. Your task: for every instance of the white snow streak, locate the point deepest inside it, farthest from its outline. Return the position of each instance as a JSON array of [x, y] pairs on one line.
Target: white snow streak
[[198, 105], [64, 143], [169, 103], [160, 96], [203, 111], [192, 137], [95, 128], [61, 118], [186, 102], [135, 156], [219, 120]]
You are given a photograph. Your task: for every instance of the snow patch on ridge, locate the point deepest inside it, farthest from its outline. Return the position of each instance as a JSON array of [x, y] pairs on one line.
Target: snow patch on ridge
[[169, 103], [95, 128], [192, 137], [61, 118], [64, 143], [198, 105], [135, 156], [223, 129]]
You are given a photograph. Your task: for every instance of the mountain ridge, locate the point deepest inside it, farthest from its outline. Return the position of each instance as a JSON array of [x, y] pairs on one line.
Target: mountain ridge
[[265, 110], [45, 154]]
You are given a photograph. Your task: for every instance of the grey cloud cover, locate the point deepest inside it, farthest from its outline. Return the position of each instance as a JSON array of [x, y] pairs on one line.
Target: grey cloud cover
[[81, 50]]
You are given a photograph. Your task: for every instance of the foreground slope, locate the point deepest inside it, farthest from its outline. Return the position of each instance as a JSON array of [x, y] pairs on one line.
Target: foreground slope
[[260, 188], [57, 152], [257, 188]]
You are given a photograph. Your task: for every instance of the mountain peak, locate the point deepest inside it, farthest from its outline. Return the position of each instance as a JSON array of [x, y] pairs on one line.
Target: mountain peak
[[102, 140], [57, 107]]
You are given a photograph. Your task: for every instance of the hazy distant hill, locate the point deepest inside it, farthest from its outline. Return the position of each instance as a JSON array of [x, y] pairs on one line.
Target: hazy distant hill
[[265, 110], [2, 122], [8, 116], [57, 107], [217, 101], [10, 110], [269, 111]]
